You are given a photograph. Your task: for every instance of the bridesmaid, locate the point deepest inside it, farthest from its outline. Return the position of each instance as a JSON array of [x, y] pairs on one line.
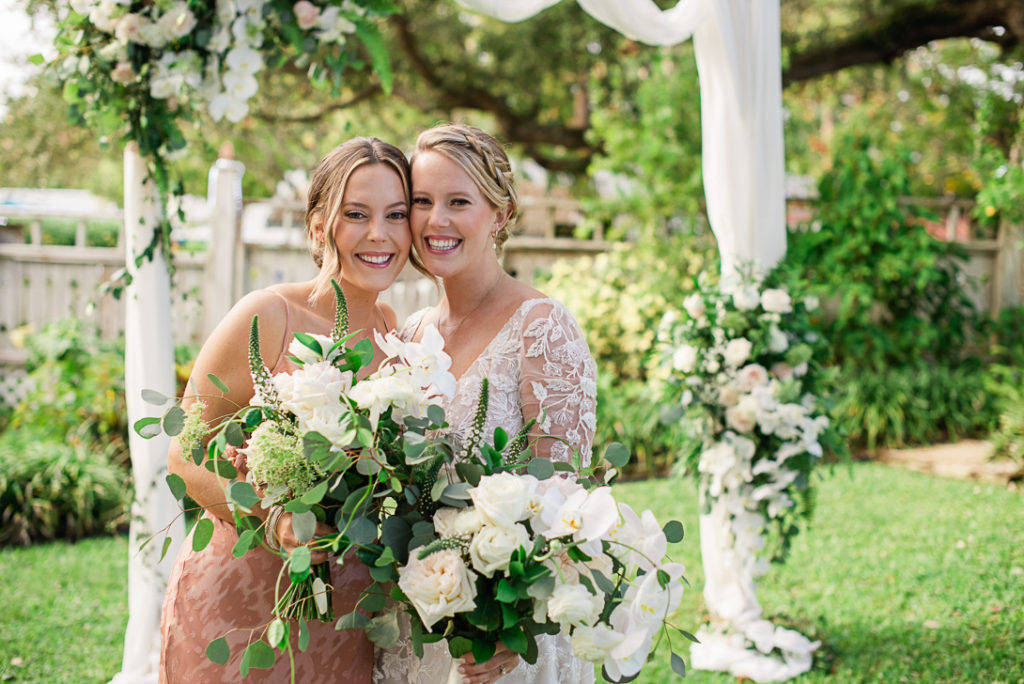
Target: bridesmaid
[[357, 227]]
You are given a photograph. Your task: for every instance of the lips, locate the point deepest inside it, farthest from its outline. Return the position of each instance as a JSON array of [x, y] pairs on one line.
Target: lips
[[376, 259], [442, 245]]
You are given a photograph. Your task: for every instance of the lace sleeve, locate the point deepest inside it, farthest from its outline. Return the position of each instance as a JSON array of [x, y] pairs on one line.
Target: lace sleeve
[[558, 382]]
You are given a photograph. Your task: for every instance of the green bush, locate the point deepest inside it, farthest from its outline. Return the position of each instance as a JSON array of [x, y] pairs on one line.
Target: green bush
[[920, 403], [619, 297], [1005, 382], [76, 380], [59, 489]]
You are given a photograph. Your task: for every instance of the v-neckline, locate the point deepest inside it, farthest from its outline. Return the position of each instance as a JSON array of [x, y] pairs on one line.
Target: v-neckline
[[493, 339]]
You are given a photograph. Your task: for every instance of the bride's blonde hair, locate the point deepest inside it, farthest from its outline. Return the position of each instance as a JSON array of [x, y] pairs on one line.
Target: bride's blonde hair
[[484, 159], [326, 191]]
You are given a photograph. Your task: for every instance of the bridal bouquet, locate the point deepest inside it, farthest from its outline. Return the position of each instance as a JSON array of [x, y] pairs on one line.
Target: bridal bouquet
[[740, 360], [504, 548], [318, 444]]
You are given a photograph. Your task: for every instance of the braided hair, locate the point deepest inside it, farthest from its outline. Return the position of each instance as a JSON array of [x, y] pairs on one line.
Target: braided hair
[[484, 159]]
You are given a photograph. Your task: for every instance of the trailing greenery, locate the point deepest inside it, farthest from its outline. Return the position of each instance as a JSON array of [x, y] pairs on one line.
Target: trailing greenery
[[902, 575], [53, 489]]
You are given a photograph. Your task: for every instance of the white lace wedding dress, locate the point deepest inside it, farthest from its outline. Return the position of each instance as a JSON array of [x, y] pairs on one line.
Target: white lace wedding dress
[[538, 362]]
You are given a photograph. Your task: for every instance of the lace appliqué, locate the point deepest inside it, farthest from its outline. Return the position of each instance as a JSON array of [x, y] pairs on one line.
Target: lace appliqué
[[538, 365]]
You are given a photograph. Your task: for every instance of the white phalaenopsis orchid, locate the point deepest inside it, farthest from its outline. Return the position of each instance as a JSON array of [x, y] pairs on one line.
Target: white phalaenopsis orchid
[[638, 541], [586, 516], [425, 360]]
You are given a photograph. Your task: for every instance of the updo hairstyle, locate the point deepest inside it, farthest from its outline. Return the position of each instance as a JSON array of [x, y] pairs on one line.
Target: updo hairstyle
[[483, 158]]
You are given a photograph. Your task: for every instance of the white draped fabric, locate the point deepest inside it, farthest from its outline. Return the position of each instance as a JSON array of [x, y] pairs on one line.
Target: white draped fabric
[[149, 364], [737, 48]]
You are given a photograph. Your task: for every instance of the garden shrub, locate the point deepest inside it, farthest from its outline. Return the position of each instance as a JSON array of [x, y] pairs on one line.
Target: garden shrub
[[903, 333], [53, 489], [75, 379], [1005, 382]]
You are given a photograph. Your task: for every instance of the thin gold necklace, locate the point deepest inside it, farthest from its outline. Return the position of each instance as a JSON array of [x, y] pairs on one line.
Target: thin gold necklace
[[458, 326]]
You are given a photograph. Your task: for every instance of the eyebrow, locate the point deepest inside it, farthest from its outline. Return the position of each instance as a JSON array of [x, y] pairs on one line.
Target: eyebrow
[[400, 203]]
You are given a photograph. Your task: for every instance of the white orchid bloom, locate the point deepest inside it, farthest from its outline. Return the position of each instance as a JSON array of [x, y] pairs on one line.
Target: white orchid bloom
[[586, 517], [639, 539], [649, 603]]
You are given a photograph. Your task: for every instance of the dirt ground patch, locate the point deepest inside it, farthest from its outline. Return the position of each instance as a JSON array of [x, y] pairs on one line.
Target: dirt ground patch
[[967, 460]]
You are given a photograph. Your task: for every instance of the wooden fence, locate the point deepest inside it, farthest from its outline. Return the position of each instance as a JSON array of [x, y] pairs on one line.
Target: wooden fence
[[42, 283]]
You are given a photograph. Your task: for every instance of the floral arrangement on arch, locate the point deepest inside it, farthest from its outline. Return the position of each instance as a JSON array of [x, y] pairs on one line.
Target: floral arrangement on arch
[[741, 361], [135, 70]]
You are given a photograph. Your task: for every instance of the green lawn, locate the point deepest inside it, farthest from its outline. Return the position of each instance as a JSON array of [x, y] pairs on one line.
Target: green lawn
[[904, 577]]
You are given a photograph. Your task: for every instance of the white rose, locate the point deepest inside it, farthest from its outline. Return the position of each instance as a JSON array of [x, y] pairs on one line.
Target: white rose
[[129, 28], [573, 604], [178, 21], [564, 567], [503, 499], [685, 358], [737, 351], [153, 35], [694, 305], [781, 370], [777, 340], [492, 547], [306, 14], [102, 15], [728, 395], [743, 416], [776, 301], [746, 298], [122, 73], [307, 355], [456, 522], [752, 376], [438, 586]]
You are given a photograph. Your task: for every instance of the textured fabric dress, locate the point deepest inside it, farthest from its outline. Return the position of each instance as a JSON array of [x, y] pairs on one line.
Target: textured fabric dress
[[212, 594], [538, 361]]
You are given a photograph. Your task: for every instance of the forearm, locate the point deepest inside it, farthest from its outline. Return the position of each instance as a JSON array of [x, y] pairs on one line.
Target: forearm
[[204, 487]]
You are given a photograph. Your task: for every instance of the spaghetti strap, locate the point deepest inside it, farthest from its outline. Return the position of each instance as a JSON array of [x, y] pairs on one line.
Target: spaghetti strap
[[287, 322]]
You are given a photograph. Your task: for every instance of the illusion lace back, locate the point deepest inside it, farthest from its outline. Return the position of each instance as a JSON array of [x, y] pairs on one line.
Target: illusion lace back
[[537, 366]]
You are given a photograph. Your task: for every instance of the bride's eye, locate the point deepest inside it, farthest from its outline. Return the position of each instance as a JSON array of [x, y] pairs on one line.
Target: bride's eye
[[354, 215], [398, 215], [420, 202], [460, 202]]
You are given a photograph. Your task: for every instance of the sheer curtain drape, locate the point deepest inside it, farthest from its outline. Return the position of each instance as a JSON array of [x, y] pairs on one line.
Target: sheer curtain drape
[[737, 48]]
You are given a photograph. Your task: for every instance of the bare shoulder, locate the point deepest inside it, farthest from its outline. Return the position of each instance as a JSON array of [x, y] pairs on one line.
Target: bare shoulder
[[390, 317]]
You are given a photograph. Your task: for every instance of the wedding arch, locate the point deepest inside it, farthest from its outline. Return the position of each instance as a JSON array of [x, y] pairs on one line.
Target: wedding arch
[[156, 64]]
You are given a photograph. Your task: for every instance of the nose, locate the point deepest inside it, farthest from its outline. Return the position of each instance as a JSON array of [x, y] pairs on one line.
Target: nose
[[377, 231], [438, 216]]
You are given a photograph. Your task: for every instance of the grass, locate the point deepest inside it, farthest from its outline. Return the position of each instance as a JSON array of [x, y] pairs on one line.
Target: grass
[[904, 578]]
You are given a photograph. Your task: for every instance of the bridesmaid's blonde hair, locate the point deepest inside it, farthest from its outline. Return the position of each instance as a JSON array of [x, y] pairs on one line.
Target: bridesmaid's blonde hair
[[484, 159], [326, 191]]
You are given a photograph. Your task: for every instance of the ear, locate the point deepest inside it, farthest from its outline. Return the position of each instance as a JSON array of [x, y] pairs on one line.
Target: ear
[[501, 217]]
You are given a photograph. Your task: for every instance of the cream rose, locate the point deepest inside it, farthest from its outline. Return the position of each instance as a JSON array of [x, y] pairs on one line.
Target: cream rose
[[178, 21], [573, 604], [737, 351], [122, 73], [454, 522], [503, 499], [694, 305], [685, 358], [438, 586], [776, 301], [752, 376], [743, 416], [492, 547]]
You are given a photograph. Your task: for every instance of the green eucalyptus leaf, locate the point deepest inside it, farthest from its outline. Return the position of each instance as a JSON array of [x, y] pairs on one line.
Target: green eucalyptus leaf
[[174, 421], [218, 651], [233, 434], [177, 486], [298, 560], [259, 655], [435, 414], [155, 398], [277, 634], [673, 531], [383, 630], [244, 543], [163, 549], [303, 634], [221, 467], [147, 428], [202, 534], [362, 531], [353, 620], [459, 646], [316, 494], [541, 468], [303, 526], [678, 666], [217, 382], [617, 454], [243, 494]]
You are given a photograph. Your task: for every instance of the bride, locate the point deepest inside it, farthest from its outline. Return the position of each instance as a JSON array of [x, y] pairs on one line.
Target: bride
[[528, 346]]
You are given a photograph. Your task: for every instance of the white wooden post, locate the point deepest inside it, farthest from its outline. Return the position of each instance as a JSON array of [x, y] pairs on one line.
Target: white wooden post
[[149, 364], [224, 265]]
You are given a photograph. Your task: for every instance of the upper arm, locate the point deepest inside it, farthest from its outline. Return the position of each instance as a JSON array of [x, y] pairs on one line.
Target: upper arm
[[225, 354], [558, 382]]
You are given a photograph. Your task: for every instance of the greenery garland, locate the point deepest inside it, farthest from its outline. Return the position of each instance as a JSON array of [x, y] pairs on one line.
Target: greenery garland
[[136, 70]]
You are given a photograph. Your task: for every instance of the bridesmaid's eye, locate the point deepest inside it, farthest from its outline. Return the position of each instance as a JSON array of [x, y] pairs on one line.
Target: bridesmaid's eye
[[354, 215], [398, 215], [420, 201]]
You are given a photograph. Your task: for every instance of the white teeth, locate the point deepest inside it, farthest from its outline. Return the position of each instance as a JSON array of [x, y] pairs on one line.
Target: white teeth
[[375, 259], [441, 244]]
